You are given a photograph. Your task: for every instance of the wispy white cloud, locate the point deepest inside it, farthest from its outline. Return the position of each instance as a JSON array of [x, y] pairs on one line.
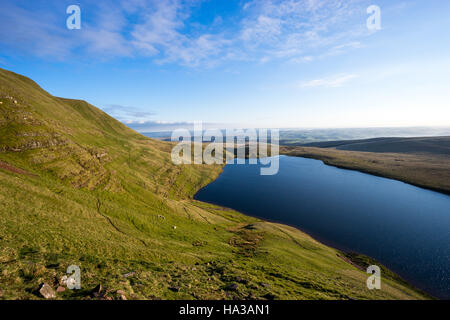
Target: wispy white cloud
[[296, 30], [35, 32], [329, 82], [104, 34], [162, 126], [127, 114], [161, 36], [155, 125], [263, 30]]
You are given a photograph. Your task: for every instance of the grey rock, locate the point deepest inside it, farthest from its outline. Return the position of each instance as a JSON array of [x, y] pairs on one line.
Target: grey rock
[[46, 291]]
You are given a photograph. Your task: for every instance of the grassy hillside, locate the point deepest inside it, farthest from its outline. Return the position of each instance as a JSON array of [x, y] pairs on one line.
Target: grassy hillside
[[78, 187]]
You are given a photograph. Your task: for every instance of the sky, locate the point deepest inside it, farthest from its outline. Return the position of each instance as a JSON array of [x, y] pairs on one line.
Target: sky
[[157, 65]]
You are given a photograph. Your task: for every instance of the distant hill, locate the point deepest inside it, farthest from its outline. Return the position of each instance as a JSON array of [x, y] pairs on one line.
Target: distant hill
[[298, 137], [431, 145], [79, 188]]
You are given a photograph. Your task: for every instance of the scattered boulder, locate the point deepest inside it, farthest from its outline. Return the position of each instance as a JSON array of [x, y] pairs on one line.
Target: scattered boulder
[[122, 297], [174, 227], [46, 291], [60, 289]]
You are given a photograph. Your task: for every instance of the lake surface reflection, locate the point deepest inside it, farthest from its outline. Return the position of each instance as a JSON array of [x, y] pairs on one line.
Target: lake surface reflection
[[404, 227]]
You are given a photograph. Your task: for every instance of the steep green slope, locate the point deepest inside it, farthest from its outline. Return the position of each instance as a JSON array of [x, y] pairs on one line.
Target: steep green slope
[[79, 188]]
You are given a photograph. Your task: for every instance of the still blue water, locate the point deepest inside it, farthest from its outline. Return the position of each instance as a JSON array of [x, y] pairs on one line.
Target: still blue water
[[404, 227]]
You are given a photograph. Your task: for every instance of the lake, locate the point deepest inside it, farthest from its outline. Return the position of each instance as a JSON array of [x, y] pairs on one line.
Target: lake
[[406, 228]]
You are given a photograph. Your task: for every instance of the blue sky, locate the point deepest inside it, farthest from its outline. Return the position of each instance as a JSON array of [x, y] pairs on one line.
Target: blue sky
[[267, 63]]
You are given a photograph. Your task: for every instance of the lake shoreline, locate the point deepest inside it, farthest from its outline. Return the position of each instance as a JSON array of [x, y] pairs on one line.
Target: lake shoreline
[[348, 255], [341, 253], [376, 174], [336, 158]]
